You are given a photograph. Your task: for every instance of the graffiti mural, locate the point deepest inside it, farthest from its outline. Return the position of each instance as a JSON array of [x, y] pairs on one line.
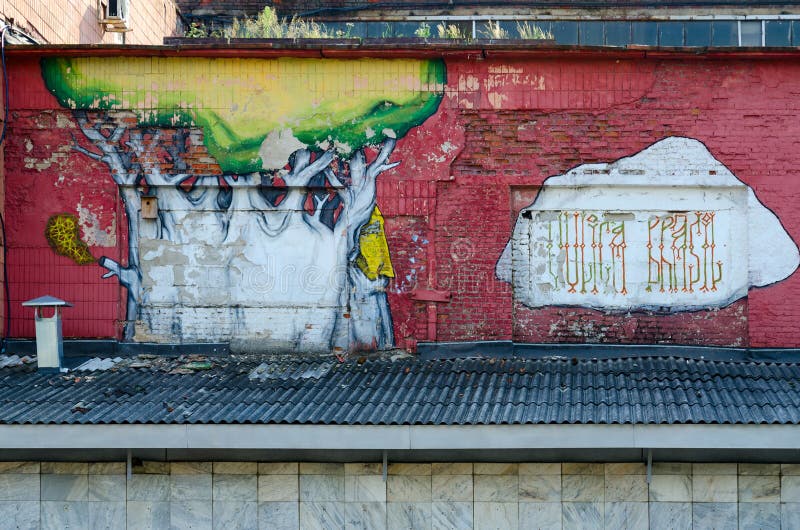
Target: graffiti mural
[[64, 237], [669, 228], [267, 225]]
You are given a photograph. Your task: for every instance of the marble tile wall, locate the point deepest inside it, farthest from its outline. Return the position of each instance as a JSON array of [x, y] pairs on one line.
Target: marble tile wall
[[431, 496]]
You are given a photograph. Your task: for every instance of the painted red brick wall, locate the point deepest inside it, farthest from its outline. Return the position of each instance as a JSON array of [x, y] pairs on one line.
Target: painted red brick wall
[[528, 120], [507, 125]]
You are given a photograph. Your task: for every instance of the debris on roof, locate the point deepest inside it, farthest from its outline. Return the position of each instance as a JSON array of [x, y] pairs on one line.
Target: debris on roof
[[96, 364], [406, 391], [269, 370], [15, 360]]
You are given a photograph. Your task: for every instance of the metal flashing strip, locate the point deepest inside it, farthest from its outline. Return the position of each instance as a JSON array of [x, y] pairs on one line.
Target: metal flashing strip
[[401, 437], [507, 348], [114, 348], [592, 17]]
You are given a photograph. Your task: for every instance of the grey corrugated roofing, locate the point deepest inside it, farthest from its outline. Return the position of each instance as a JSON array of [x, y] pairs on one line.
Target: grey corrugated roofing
[[410, 391]]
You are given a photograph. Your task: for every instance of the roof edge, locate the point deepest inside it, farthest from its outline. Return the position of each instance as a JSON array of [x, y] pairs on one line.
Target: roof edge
[[400, 437], [507, 348], [393, 48]]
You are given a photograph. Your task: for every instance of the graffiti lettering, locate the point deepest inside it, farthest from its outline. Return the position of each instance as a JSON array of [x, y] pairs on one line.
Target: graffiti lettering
[[680, 247], [586, 253], [681, 253]]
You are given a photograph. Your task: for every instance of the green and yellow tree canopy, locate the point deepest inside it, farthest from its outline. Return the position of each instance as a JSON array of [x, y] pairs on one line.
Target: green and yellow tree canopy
[[255, 112]]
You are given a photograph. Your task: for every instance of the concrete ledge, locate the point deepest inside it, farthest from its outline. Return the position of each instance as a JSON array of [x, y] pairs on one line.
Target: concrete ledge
[[401, 437]]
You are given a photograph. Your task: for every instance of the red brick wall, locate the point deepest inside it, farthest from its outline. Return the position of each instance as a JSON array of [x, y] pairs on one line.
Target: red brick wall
[[228, 7], [508, 125], [554, 115]]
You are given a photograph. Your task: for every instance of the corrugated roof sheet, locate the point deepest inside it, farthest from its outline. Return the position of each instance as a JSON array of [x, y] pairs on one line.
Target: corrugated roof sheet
[[410, 391]]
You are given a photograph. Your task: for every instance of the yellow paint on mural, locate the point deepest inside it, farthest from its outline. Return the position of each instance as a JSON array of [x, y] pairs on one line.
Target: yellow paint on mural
[[63, 234], [374, 259]]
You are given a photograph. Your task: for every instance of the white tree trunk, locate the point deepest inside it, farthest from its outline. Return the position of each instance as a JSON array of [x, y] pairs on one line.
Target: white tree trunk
[[222, 262]]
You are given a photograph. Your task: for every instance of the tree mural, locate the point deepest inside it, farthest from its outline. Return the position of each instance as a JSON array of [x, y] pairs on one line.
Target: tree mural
[[287, 243]]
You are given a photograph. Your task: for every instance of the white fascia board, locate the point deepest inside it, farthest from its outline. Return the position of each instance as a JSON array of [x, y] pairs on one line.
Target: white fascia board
[[719, 436], [400, 437], [522, 436], [298, 437]]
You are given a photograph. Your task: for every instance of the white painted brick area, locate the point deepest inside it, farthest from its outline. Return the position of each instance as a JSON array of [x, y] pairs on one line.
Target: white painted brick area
[[292, 495]]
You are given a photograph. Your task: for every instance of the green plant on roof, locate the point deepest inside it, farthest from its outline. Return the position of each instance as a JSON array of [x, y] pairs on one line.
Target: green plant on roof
[[199, 30], [268, 25], [530, 31], [493, 30], [423, 31], [450, 31]]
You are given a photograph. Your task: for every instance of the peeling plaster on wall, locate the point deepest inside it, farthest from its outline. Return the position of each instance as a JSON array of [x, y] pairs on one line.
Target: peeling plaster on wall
[[63, 121], [57, 156], [496, 99], [277, 147], [446, 148], [583, 242], [91, 227], [415, 265]]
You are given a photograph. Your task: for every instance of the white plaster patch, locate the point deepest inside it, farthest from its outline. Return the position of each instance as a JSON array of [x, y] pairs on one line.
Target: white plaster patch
[[468, 83], [496, 99], [92, 230], [277, 147], [342, 148], [446, 148], [57, 156], [63, 121], [153, 253], [669, 228]]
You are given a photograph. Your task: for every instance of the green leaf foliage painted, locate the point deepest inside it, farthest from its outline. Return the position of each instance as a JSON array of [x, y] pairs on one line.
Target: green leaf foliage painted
[[319, 103]]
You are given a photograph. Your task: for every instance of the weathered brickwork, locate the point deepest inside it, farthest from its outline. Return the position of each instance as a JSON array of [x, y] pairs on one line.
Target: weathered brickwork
[[618, 141], [463, 495], [225, 7], [76, 22], [511, 142]]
